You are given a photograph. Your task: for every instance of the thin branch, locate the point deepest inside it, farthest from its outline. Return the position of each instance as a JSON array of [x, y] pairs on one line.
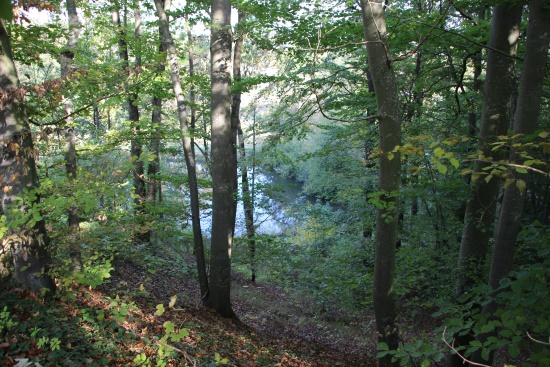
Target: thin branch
[[423, 39], [182, 352], [58, 121], [457, 353], [535, 340], [314, 88], [513, 165]]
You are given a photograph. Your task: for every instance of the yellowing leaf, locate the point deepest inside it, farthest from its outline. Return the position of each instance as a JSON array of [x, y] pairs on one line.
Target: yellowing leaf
[[454, 162], [438, 152], [160, 310], [169, 326], [521, 186], [508, 182], [390, 156], [172, 301], [141, 287], [544, 134]]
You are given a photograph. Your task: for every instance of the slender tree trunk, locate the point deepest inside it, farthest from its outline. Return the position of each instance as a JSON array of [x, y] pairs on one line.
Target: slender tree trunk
[[389, 122], [481, 206], [188, 148], [223, 167], [66, 60], [18, 174], [153, 169], [480, 210], [476, 87], [526, 121], [133, 116], [248, 204]]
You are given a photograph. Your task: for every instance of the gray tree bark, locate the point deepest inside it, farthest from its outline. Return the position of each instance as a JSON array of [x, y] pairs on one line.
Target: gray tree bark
[[29, 241], [66, 60], [188, 148], [525, 123], [132, 102], [389, 175], [223, 167], [480, 209]]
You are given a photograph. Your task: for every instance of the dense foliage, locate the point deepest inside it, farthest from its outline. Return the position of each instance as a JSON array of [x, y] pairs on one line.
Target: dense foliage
[[310, 121]]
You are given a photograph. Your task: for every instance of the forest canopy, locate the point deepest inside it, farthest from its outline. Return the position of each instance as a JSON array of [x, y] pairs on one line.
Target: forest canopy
[[377, 169]]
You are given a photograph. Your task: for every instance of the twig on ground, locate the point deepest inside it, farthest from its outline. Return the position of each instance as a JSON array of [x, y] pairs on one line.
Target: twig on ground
[[457, 353]]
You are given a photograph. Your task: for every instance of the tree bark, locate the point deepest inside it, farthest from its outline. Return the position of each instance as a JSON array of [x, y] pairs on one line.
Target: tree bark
[[248, 203], [132, 102], [66, 60], [526, 121], [389, 167], [223, 167], [153, 169], [188, 148], [18, 174], [480, 209]]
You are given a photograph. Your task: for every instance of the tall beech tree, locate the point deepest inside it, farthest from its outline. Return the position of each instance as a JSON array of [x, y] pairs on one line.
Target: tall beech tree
[[66, 60], [224, 170], [389, 167], [132, 102], [20, 182], [247, 199], [525, 124], [497, 95], [188, 147]]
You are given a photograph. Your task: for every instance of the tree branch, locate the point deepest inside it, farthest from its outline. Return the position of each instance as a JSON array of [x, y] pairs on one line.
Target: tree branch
[[457, 353]]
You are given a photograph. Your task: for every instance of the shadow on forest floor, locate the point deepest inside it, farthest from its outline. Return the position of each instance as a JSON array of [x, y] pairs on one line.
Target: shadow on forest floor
[[121, 323]]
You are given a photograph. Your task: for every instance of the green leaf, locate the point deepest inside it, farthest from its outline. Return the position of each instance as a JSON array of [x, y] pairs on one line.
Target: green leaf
[[485, 353], [6, 10], [513, 350], [521, 186], [160, 310], [521, 170], [390, 156], [169, 326], [438, 152], [454, 162], [442, 168]]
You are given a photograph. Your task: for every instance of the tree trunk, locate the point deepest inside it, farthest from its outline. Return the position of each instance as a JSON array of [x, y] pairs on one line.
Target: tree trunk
[[480, 209], [223, 167], [29, 241], [132, 102], [66, 60], [389, 122], [153, 169], [525, 123], [188, 148], [248, 203]]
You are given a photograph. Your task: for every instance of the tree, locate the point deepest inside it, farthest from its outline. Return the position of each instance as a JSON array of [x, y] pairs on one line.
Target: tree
[[66, 60], [481, 206], [248, 201], [132, 101], [20, 184], [188, 148], [389, 166], [223, 166], [525, 124]]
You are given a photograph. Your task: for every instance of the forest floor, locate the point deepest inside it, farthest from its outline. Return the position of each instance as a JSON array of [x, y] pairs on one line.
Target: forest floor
[[121, 322]]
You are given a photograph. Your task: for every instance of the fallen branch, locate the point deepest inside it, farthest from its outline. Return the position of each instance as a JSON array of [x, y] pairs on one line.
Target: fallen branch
[[457, 353], [537, 341]]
